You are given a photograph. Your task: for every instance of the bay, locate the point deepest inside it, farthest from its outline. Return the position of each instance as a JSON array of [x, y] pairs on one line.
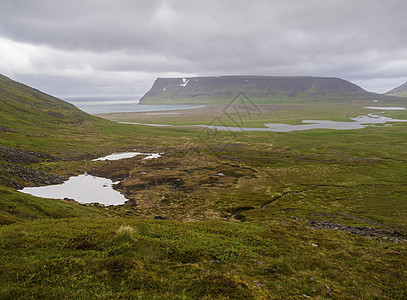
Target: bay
[[104, 104]]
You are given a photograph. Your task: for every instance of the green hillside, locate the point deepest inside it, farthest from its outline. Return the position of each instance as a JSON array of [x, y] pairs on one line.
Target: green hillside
[[400, 91], [399, 94], [21, 105]]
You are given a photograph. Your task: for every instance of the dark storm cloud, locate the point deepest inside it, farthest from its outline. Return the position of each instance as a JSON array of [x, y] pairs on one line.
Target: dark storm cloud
[[362, 41]]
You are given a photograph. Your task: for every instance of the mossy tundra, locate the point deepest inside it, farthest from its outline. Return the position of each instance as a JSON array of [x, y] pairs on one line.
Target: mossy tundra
[[313, 214]]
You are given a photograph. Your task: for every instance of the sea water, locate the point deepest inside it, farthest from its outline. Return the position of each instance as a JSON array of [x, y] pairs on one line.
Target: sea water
[[103, 104]]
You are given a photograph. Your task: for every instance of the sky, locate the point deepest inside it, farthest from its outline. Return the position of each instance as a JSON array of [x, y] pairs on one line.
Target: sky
[[71, 48]]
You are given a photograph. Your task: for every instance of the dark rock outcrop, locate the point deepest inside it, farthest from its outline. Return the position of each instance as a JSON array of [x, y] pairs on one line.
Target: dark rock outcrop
[[15, 169]]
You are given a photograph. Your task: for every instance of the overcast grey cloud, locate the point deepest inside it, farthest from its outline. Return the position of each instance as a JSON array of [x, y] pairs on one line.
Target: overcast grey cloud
[[120, 47]]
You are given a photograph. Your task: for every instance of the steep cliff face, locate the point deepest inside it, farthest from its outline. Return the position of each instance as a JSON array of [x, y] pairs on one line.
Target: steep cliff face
[[260, 88], [400, 91]]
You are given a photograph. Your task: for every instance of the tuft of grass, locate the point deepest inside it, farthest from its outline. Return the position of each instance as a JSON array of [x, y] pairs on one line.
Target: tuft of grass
[[126, 234]]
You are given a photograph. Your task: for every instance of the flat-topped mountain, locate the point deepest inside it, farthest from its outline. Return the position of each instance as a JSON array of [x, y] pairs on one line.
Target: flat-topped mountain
[[262, 89], [400, 91], [21, 104]]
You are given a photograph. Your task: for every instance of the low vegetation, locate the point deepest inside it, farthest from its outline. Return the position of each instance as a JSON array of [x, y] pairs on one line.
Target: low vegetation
[[313, 214], [129, 259]]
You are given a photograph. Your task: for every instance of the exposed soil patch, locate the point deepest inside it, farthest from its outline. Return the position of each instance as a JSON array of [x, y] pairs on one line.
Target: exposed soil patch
[[391, 235], [6, 129], [117, 170], [336, 159], [288, 157]]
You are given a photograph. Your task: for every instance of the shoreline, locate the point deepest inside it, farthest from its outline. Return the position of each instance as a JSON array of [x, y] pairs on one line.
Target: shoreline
[[153, 110]]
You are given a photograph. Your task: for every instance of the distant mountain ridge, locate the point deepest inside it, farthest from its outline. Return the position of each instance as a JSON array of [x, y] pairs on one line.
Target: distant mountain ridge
[[400, 91], [217, 89]]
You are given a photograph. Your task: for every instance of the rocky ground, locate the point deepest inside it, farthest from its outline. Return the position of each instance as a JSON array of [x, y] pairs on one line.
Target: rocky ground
[[16, 172], [391, 235]]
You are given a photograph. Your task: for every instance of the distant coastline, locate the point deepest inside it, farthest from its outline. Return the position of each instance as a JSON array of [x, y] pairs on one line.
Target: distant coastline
[[102, 105]]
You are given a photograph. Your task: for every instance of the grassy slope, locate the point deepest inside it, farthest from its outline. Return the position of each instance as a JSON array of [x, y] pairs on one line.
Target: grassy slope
[[21, 105], [16, 207], [354, 178], [399, 94], [400, 91], [88, 258]]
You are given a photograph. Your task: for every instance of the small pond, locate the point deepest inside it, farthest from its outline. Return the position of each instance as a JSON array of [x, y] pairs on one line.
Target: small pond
[[83, 188], [117, 156], [385, 107], [86, 188]]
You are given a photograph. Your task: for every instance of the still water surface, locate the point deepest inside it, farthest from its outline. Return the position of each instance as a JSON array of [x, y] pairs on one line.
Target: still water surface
[[101, 105], [86, 188], [356, 123]]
